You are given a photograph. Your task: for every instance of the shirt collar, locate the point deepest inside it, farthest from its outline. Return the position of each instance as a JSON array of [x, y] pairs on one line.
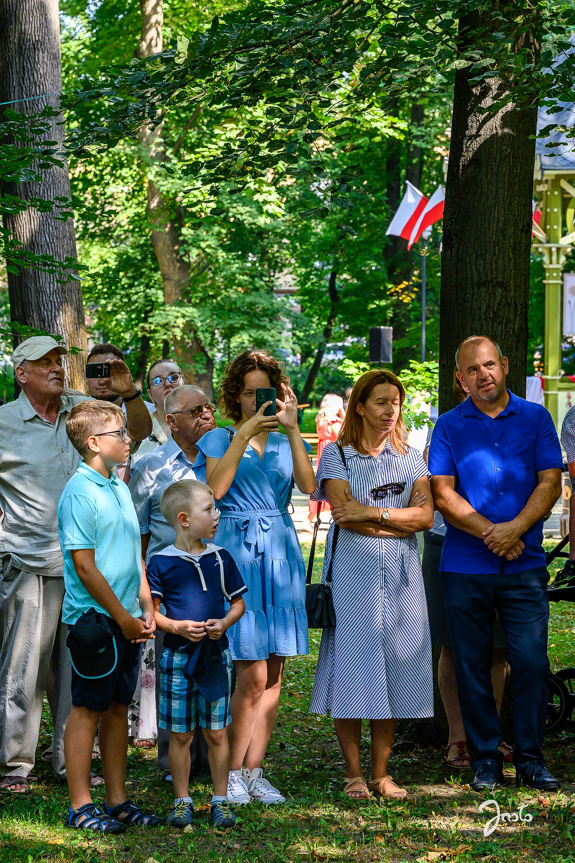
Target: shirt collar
[[28, 412], [514, 406], [351, 452], [172, 551], [96, 477], [173, 451]]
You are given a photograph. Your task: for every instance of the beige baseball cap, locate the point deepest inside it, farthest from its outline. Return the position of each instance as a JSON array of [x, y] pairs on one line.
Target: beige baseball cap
[[35, 348]]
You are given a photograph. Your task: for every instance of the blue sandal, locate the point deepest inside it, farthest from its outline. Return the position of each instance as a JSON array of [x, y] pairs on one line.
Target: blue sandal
[[133, 815], [90, 817]]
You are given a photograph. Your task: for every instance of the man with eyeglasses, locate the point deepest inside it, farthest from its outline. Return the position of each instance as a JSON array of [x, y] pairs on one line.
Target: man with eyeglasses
[[189, 416], [36, 461]]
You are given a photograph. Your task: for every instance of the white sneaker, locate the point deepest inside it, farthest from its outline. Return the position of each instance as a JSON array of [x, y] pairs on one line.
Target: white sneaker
[[262, 790], [238, 788]]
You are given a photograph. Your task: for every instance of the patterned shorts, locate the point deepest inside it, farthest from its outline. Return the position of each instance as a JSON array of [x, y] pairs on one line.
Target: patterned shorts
[[182, 707]]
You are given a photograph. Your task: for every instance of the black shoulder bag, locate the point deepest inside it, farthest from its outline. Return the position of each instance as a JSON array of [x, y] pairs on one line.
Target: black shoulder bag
[[318, 598]]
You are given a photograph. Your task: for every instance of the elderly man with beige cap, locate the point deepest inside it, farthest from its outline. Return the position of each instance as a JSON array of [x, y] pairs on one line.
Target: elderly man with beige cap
[[36, 461]]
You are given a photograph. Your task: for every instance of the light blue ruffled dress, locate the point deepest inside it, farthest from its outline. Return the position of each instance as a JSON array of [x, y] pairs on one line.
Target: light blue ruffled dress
[[256, 528]]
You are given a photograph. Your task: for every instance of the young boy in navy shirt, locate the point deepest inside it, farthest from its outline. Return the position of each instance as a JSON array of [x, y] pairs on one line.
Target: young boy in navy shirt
[[109, 612], [194, 580]]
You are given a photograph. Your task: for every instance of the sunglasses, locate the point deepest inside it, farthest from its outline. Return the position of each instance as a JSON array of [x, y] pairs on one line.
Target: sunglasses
[[197, 411], [122, 433], [172, 378], [391, 488]]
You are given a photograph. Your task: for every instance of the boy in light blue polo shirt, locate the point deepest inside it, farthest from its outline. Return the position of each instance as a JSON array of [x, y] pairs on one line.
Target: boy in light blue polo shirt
[[109, 611]]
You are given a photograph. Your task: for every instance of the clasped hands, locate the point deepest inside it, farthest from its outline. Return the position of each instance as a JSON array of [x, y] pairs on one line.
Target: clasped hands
[[352, 510], [139, 629], [195, 630], [504, 539]]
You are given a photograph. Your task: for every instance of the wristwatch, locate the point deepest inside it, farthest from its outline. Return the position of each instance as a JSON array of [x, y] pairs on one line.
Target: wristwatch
[[383, 516]]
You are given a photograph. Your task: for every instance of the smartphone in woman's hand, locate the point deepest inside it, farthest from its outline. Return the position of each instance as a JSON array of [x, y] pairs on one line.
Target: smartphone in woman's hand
[[266, 394]]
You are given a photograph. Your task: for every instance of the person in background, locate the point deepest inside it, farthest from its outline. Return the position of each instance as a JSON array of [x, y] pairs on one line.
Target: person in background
[[251, 469], [129, 399], [346, 396], [163, 376], [566, 576], [375, 663], [456, 754], [328, 424], [189, 415], [496, 469]]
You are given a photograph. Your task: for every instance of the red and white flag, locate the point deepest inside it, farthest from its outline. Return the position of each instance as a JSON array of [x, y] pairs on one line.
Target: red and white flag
[[408, 213], [432, 212]]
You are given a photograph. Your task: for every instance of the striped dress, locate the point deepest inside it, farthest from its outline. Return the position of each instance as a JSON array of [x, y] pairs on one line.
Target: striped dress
[[376, 662]]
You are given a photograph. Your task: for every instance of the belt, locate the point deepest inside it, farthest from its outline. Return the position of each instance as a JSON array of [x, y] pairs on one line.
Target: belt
[[255, 523]]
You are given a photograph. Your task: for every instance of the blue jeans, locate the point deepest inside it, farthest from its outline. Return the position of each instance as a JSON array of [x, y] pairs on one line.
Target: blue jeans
[[521, 600]]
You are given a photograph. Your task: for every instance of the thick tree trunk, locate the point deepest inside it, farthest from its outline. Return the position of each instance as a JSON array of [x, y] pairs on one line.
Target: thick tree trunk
[[30, 66], [487, 223], [327, 331], [176, 270]]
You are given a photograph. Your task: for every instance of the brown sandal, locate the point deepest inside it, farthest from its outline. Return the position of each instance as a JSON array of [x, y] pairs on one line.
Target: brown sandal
[[461, 760], [361, 793], [506, 750], [376, 785]]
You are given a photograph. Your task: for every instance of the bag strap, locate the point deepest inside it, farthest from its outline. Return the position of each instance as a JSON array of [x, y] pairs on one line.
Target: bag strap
[[312, 549], [314, 538], [336, 528]]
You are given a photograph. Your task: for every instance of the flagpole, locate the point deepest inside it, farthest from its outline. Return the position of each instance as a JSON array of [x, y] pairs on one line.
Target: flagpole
[[425, 237]]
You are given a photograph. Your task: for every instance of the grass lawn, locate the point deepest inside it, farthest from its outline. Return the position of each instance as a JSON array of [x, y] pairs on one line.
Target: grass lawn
[[439, 821]]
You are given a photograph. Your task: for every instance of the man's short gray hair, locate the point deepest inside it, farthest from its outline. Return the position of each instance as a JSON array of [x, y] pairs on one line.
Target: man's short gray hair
[[476, 339], [180, 497], [175, 398]]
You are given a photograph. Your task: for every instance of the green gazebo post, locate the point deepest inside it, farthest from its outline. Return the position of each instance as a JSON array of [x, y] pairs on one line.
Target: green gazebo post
[[554, 176]]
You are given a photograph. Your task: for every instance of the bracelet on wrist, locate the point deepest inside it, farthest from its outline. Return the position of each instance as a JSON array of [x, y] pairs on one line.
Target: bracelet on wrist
[[131, 398]]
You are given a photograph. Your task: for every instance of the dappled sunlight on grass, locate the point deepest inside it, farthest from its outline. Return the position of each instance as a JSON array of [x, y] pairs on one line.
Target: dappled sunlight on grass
[[439, 821]]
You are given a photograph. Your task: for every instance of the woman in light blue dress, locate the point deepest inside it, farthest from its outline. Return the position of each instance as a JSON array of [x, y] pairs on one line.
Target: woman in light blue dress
[[251, 468]]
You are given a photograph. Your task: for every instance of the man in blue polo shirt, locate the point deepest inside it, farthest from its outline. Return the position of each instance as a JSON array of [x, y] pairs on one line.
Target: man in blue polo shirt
[[496, 465]]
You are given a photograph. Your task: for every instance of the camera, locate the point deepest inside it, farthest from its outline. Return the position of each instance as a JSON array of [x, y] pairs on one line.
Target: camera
[[98, 370]]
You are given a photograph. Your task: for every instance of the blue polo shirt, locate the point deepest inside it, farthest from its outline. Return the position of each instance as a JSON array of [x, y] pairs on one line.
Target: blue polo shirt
[[495, 462], [194, 586], [96, 512]]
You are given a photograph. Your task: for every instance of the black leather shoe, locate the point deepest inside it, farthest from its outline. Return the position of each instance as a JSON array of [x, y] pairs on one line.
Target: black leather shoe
[[489, 776], [536, 775]]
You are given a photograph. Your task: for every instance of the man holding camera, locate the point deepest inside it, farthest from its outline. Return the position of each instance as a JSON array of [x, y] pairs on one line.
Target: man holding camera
[[118, 387], [36, 461]]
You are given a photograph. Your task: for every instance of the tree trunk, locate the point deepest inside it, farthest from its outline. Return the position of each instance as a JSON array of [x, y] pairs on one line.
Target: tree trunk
[[327, 331], [176, 270], [487, 222], [30, 66]]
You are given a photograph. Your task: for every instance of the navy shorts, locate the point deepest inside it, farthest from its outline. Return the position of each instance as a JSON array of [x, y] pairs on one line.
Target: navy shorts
[[118, 686]]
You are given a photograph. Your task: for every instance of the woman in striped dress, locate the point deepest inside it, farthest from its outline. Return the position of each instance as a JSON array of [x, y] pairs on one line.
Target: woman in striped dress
[[376, 662]]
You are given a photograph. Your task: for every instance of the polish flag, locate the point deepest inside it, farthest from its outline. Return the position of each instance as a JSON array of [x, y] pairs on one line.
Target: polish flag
[[432, 212], [536, 228], [412, 205]]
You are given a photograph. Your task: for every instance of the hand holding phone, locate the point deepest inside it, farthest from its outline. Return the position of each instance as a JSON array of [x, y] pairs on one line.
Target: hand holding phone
[[266, 394]]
